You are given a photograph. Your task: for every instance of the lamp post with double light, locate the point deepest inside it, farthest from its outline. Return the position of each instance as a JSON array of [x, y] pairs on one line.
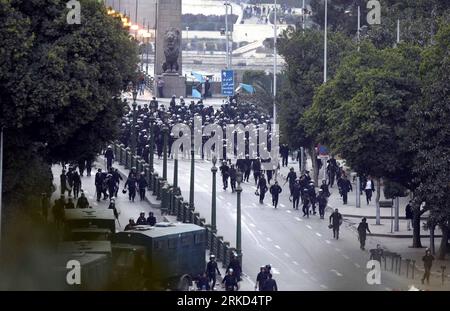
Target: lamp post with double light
[[213, 199], [238, 216]]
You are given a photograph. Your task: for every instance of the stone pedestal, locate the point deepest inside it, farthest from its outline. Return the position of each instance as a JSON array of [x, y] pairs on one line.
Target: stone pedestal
[[174, 85]]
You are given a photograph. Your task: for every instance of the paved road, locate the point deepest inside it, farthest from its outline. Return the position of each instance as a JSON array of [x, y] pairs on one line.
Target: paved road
[[302, 252]]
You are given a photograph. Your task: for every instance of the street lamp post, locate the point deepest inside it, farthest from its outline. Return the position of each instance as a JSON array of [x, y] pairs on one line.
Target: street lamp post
[[226, 36], [1, 187], [191, 190], [134, 135], [152, 141], [238, 217], [213, 201], [275, 63], [187, 37], [165, 131], [325, 44]]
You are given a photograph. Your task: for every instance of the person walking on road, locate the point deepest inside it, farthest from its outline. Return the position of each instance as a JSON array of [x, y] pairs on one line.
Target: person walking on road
[[325, 189], [230, 281], [224, 169], [211, 269], [363, 227], [344, 188], [291, 177], [306, 202], [409, 215], [336, 222], [262, 187], [261, 278], [322, 201], [270, 285], [99, 184], [427, 264], [63, 181], [76, 184], [131, 183], [233, 174], [142, 182], [369, 188], [256, 169], [109, 155], [296, 193], [275, 191]]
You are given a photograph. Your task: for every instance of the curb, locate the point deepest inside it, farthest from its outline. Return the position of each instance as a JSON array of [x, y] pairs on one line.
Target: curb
[[374, 217]]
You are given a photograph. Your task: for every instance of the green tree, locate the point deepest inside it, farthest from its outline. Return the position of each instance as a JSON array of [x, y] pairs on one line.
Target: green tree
[[430, 136], [361, 113], [59, 88], [303, 53]]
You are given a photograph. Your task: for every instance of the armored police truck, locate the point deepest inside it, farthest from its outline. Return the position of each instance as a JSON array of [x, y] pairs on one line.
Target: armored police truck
[[95, 222], [166, 256]]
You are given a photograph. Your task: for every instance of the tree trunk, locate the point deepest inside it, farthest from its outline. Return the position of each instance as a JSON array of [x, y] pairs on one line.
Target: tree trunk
[[443, 246], [377, 202], [416, 227], [313, 154]]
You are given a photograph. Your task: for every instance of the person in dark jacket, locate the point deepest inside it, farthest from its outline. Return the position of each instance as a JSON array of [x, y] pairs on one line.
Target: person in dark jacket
[[111, 185], [142, 182], [262, 188], [256, 166], [233, 174], [202, 282], [88, 167], [291, 177], [296, 193], [82, 201], [275, 191], [76, 184], [109, 155], [311, 193], [344, 188], [325, 189], [322, 201], [336, 221], [131, 184], [141, 221], [377, 253], [230, 281], [58, 211], [211, 269], [261, 278], [247, 168], [362, 228], [81, 166], [63, 181], [131, 225], [306, 202], [151, 219], [224, 169], [409, 215], [270, 285], [45, 205], [427, 264], [99, 184], [235, 265], [117, 178], [284, 151], [112, 205]]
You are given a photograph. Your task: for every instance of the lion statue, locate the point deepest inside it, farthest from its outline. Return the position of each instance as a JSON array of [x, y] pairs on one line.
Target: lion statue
[[172, 41]]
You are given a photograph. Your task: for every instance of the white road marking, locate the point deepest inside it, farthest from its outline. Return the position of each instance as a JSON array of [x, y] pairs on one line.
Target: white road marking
[[269, 239], [357, 265], [220, 197], [254, 204], [295, 263], [318, 234], [298, 219], [252, 225], [327, 241], [336, 272], [304, 271], [229, 204], [282, 205], [277, 246], [337, 249], [260, 232], [314, 279], [323, 286], [288, 211], [309, 227], [345, 256]]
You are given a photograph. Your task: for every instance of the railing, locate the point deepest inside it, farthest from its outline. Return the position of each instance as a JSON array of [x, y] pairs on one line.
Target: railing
[[172, 202]]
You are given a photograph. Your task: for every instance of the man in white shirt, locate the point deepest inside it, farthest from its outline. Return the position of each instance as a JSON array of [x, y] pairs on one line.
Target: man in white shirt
[[369, 189]]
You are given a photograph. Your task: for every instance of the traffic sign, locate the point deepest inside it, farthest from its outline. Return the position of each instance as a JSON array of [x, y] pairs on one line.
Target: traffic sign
[[227, 82]]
